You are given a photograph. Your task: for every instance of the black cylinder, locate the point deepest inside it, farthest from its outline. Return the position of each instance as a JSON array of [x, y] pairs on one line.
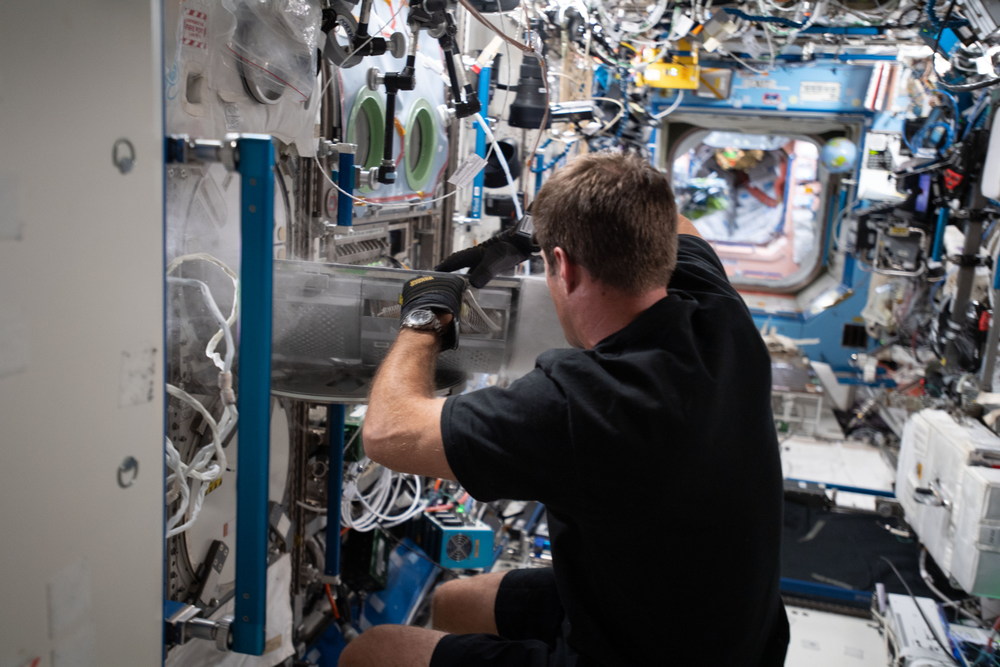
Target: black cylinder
[[529, 104]]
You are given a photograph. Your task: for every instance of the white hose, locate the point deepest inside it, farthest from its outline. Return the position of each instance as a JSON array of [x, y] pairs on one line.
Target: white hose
[[224, 326], [672, 107], [231, 320], [503, 163]]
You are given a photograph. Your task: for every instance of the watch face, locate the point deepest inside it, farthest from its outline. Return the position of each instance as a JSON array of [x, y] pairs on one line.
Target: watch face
[[420, 317]]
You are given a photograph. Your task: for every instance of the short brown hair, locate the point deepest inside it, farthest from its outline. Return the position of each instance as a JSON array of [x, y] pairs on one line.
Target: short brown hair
[[615, 215]]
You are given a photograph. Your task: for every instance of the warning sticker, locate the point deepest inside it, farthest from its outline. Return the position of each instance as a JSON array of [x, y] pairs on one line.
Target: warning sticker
[[195, 29], [819, 91]]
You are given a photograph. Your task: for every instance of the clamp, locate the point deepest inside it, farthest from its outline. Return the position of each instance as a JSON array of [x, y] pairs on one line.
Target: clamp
[[361, 44]]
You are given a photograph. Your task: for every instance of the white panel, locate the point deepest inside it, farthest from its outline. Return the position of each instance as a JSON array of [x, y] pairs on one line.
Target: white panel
[[821, 639], [81, 328]]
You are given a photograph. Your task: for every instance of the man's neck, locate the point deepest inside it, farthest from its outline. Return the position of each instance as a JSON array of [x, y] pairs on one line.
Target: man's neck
[[609, 311]]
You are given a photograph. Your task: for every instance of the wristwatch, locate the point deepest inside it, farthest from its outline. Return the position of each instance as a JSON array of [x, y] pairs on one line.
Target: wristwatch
[[422, 319]]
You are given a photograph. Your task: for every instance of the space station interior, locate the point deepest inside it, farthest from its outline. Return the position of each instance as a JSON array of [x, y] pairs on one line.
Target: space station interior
[[209, 208]]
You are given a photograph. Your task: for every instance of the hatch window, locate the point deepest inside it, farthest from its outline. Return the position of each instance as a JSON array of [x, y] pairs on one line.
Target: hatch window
[[757, 199]]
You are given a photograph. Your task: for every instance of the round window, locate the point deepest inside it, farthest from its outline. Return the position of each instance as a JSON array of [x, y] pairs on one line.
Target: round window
[[366, 129], [421, 144]]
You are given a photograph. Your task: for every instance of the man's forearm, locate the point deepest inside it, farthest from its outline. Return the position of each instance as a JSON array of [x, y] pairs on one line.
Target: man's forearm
[[402, 428], [407, 371]]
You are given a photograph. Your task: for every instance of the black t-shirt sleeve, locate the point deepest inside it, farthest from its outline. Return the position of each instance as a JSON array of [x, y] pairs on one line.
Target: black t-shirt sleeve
[[699, 269], [510, 443]]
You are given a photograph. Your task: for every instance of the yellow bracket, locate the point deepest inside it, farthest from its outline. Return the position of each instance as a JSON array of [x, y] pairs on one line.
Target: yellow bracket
[[683, 72]]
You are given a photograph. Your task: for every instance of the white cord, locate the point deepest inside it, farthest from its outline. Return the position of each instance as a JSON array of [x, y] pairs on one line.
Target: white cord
[[378, 503], [199, 470], [745, 63], [231, 320], [767, 35], [610, 123], [673, 107], [227, 364], [503, 163], [311, 508]]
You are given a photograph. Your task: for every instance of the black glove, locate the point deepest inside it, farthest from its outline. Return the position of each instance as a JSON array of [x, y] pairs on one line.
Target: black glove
[[486, 260], [441, 294]]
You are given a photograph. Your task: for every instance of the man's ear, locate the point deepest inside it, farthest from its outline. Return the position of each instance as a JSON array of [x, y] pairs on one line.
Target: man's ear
[[566, 270]]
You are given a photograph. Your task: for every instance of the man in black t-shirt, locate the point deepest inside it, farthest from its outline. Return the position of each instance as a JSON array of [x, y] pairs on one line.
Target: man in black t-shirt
[[652, 447]]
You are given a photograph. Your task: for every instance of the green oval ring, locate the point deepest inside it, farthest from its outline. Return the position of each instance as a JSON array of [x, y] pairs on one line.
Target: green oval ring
[[373, 107], [421, 112]]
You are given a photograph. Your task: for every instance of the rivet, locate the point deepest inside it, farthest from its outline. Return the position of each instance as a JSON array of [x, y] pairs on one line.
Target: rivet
[[253, 209]]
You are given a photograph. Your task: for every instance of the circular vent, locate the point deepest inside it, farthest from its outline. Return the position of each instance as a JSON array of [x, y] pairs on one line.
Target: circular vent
[[459, 547]]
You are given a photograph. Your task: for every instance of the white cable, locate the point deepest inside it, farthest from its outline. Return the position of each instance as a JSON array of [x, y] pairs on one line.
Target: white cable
[[493, 326], [610, 123], [213, 472], [818, 11], [673, 107], [199, 469], [231, 320], [311, 508], [767, 35], [213, 308], [745, 63], [503, 163], [378, 503]]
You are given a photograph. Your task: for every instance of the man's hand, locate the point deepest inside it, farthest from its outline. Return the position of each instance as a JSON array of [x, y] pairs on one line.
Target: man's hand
[[441, 294], [486, 260]]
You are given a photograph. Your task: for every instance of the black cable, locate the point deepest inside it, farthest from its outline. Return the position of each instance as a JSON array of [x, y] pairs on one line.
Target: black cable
[[969, 86], [930, 627]]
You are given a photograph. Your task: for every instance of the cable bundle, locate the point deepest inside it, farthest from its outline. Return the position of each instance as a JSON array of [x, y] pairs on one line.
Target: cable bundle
[[209, 463], [377, 506]]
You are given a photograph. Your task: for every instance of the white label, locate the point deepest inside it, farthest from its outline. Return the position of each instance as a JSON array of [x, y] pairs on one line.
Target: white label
[[233, 117], [376, 603], [759, 83], [819, 91], [467, 171]]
